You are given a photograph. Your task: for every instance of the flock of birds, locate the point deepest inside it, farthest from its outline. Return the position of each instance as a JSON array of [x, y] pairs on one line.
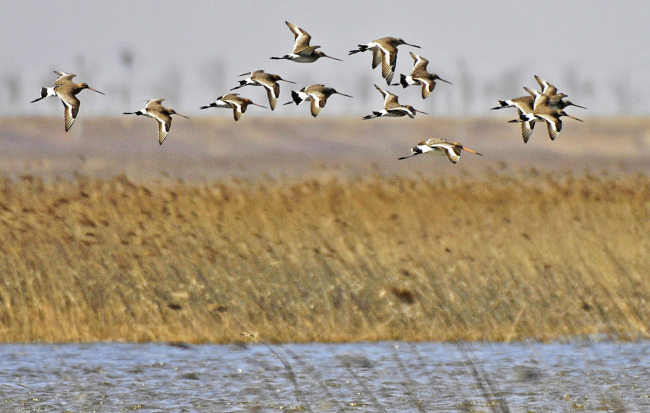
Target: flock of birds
[[546, 105]]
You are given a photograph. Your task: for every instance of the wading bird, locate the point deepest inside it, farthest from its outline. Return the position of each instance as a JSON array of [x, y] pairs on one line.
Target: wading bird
[[161, 114], [438, 146], [392, 108], [546, 105], [302, 51], [232, 101], [547, 88], [266, 80], [317, 94], [66, 90], [551, 116], [556, 101], [384, 51], [420, 76], [524, 106], [548, 108]]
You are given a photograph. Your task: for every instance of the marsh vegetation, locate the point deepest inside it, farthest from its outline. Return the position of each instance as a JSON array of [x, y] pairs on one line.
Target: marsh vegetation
[[497, 257]]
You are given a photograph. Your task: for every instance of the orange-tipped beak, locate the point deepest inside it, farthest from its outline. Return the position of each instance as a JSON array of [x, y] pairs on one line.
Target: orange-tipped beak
[[186, 117], [471, 151], [95, 90]]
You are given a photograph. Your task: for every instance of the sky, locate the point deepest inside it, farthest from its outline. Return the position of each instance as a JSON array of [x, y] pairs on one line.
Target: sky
[[191, 52]]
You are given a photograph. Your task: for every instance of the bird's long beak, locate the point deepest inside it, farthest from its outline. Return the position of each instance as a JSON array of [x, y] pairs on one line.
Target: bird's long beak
[[255, 104], [578, 106], [288, 103], [407, 156], [334, 58], [446, 81], [409, 44], [288, 81], [186, 117], [95, 90], [244, 74], [471, 151], [419, 111], [343, 94], [573, 117]]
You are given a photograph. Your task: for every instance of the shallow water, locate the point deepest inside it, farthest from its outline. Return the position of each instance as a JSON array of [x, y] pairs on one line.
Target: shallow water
[[387, 376]]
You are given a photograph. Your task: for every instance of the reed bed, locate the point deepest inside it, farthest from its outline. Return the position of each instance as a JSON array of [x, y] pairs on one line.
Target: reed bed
[[498, 257]]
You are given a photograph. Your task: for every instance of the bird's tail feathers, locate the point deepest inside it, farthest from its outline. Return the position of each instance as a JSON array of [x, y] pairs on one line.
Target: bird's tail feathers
[[362, 48], [402, 80], [502, 104]]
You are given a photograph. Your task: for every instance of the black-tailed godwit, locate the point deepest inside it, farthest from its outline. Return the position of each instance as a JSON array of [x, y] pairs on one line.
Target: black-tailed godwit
[[317, 94], [555, 98], [392, 107], [438, 146], [420, 76], [232, 101], [266, 80], [384, 51], [524, 106], [161, 114], [66, 90], [303, 52], [552, 118]]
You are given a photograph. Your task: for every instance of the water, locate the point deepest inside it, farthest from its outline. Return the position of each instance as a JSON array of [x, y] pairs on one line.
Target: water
[[387, 376]]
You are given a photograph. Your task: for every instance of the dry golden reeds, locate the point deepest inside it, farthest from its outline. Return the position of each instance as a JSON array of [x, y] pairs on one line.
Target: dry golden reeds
[[505, 258]]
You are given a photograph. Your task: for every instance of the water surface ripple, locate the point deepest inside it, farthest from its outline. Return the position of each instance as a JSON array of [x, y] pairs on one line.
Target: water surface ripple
[[386, 376]]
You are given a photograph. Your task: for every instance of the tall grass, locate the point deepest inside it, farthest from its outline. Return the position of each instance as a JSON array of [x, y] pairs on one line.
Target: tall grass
[[375, 258]]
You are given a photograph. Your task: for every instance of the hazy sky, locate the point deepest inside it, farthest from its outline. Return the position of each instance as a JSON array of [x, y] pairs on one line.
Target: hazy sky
[[191, 52]]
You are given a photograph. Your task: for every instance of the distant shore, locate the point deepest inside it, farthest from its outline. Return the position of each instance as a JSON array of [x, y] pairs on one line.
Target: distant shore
[[217, 147]]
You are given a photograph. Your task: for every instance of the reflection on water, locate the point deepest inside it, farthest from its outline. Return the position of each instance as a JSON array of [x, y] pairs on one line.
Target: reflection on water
[[388, 376]]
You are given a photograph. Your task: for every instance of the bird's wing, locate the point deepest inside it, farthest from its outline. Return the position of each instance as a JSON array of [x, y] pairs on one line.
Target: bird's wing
[[553, 125], [390, 100], [388, 61], [420, 63], [71, 109], [318, 101], [272, 91], [302, 38], [154, 102], [63, 77], [301, 44], [452, 151], [376, 57], [526, 125], [164, 125], [427, 86], [237, 111]]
